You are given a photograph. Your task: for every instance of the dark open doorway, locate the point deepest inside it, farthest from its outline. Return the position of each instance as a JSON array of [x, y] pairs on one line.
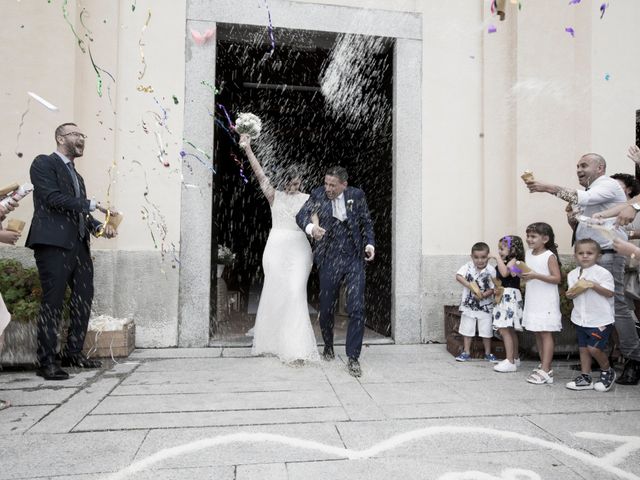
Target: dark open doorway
[[299, 127]]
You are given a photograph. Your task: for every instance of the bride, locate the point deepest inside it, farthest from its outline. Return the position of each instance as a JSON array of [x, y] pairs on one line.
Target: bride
[[283, 326]]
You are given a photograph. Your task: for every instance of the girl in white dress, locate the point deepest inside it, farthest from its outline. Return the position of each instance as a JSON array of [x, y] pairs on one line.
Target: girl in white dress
[[542, 301], [283, 327]]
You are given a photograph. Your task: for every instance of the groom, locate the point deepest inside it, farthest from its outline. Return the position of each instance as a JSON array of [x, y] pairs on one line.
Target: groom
[[337, 217]]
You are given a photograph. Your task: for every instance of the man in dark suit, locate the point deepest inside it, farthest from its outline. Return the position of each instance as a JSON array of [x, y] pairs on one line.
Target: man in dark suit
[[338, 219], [59, 237]]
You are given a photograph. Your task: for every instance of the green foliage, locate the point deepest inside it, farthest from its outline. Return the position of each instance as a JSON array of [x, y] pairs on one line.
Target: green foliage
[[21, 291], [20, 288]]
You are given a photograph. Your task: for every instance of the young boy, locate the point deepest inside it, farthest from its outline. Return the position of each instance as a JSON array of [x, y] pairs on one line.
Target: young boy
[[591, 288], [477, 301]]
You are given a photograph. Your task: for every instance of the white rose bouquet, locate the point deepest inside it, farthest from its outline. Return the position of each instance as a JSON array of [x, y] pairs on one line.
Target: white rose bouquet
[[250, 124]]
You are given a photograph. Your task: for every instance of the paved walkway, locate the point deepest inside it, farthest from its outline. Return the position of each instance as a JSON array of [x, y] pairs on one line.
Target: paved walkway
[[216, 414]]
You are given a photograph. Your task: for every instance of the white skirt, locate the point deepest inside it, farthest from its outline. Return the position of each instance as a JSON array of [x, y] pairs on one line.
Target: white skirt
[[508, 313]]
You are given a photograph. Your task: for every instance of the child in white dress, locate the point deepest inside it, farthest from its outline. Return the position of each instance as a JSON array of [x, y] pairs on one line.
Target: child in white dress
[[542, 301]]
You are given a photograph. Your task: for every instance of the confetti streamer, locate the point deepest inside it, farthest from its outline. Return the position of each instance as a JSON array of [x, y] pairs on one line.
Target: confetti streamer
[[607, 77], [270, 29], [199, 150], [603, 9], [570, 31], [141, 44], [161, 151], [221, 125], [574, 2], [147, 89], [66, 17], [492, 29], [184, 154], [226, 114], [241, 170], [133, 5], [19, 154], [213, 89], [175, 100], [48, 105]]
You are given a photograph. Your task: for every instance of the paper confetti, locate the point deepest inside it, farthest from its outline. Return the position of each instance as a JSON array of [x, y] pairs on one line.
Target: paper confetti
[[201, 38], [570, 31], [492, 29], [607, 77], [574, 2], [603, 8], [48, 105]]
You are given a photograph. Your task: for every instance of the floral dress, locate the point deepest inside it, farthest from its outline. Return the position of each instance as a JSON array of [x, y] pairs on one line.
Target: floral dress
[[508, 313]]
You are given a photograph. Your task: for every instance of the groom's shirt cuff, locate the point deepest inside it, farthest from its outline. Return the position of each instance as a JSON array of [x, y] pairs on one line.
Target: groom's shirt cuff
[[369, 245], [309, 229]]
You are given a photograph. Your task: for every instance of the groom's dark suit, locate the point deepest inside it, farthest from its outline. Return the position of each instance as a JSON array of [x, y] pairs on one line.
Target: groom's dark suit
[[59, 237], [339, 256]]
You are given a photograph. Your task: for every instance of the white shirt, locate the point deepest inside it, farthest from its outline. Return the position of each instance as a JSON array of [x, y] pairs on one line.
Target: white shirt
[[603, 194], [590, 309], [469, 303]]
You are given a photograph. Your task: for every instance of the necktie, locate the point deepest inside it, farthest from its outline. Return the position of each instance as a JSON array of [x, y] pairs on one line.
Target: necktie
[[76, 188]]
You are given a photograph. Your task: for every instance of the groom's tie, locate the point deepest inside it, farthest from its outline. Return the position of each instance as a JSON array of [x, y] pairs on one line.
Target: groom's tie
[[76, 189]]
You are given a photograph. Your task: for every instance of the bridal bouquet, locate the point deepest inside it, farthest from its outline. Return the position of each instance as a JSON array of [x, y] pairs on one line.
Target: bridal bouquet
[[225, 255], [250, 124]]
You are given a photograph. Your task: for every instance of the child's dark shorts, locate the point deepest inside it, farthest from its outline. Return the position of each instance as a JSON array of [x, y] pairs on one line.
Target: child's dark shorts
[[597, 337]]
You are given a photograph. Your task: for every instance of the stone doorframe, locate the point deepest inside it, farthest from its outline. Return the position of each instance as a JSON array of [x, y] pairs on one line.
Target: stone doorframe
[[196, 203]]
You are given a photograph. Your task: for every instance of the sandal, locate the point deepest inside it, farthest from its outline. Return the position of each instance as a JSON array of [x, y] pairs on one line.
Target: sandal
[[540, 377], [4, 404]]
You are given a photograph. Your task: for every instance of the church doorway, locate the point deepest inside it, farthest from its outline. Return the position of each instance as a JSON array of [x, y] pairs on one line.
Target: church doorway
[[324, 99]]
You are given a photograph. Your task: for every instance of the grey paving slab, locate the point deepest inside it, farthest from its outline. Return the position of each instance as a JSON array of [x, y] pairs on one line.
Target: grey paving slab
[[492, 465], [19, 419], [175, 353], [253, 451], [213, 386], [216, 401], [410, 393], [26, 456], [204, 419], [262, 471], [28, 379], [442, 435], [38, 396], [460, 408], [201, 473], [236, 352], [367, 411], [70, 413]]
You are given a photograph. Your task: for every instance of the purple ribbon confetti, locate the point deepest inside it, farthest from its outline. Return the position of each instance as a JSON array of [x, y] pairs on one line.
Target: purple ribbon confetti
[[492, 29], [570, 31], [603, 8]]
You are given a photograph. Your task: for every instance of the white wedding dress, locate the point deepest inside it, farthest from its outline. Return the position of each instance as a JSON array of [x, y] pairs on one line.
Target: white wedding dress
[[283, 326]]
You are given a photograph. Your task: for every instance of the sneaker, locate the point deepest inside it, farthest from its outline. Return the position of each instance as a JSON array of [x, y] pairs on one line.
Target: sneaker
[[517, 360], [607, 377], [463, 357], [582, 382], [505, 366], [490, 357]]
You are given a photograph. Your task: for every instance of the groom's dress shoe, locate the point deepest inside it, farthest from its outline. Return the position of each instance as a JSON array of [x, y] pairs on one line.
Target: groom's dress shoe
[[354, 367], [52, 372], [328, 354], [81, 361]]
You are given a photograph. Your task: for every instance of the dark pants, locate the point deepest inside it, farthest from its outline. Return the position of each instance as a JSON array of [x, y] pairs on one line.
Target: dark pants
[[57, 268], [332, 274]]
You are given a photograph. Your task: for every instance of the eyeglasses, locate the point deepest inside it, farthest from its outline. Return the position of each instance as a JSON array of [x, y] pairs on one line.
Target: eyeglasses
[[75, 134]]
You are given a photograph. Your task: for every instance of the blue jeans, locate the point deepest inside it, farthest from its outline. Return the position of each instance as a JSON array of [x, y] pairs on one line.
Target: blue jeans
[[625, 324]]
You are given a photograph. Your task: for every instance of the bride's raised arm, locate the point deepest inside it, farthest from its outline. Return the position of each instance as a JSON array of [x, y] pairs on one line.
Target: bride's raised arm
[[265, 185]]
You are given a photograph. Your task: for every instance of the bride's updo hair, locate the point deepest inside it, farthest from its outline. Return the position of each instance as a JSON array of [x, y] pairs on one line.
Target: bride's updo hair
[[285, 176]]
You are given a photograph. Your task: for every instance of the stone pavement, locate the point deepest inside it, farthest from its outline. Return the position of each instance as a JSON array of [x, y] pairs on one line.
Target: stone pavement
[[219, 414]]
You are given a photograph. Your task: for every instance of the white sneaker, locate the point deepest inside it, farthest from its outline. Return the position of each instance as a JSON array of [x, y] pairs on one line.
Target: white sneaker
[[517, 360], [505, 366]]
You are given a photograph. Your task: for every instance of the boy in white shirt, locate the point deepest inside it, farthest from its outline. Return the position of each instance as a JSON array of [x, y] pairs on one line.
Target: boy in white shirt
[[477, 301], [591, 287]]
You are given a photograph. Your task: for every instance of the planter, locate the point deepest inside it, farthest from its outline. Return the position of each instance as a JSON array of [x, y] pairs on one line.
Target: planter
[[20, 344]]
